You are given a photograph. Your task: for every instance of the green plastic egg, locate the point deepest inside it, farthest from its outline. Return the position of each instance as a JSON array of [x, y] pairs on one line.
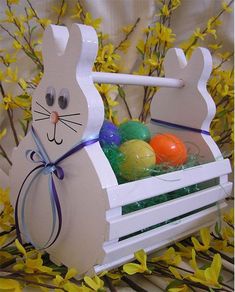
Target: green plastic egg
[[134, 130], [139, 160]]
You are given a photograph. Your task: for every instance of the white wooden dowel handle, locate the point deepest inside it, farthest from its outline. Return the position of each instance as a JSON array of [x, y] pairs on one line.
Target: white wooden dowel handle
[[116, 78]]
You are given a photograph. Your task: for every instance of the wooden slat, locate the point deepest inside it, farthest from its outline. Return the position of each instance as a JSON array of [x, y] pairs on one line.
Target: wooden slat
[[130, 223], [146, 188], [121, 252]]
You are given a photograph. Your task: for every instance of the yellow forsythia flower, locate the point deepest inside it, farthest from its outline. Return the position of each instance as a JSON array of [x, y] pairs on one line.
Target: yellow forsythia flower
[[32, 262], [165, 11], [92, 22], [66, 284], [222, 245], [182, 288], [209, 276], [229, 217], [77, 10], [127, 29], [95, 283], [199, 34], [60, 10], [164, 33], [133, 268], [10, 285], [12, 74], [184, 251], [44, 21], [12, 1], [16, 45], [206, 239], [226, 7], [3, 133], [170, 256]]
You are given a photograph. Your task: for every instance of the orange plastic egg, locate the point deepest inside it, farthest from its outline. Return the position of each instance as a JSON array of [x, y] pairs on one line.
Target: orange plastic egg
[[169, 149]]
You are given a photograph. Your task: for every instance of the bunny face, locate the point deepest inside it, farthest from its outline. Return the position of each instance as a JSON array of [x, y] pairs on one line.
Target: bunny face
[[59, 115], [66, 106]]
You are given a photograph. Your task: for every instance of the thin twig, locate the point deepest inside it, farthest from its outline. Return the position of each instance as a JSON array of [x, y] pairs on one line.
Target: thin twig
[[7, 232], [10, 116], [4, 154], [205, 29], [127, 35], [32, 55], [60, 13], [31, 282], [133, 285], [35, 13], [108, 282], [8, 263], [9, 243]]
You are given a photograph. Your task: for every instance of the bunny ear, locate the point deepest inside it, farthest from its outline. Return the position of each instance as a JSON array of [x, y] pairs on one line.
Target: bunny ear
[[81, 49], [200, 64], [174, 62], [54, 43]]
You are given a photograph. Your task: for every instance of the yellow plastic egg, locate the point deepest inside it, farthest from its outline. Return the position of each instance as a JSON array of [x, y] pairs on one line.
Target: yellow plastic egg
[[139, 159]]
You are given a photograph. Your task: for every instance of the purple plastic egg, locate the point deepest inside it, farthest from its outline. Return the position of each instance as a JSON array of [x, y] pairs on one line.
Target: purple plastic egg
[[109, 134]]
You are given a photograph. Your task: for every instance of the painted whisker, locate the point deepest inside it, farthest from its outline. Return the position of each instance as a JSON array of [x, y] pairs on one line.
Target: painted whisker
[[67, 125], [42, 119], [79, 124], [43, 107], [76, 114], [42, 113]]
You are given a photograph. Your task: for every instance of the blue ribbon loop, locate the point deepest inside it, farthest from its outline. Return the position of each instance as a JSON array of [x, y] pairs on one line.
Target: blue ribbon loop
[[168, 124], [51, 169]]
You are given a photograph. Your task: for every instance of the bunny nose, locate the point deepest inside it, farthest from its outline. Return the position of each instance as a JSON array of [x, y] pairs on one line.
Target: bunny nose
[[54, 117]]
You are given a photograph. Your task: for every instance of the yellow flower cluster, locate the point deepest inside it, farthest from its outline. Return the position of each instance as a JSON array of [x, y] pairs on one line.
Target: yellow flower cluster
[[6, 213], [221, 88], [168, 264]]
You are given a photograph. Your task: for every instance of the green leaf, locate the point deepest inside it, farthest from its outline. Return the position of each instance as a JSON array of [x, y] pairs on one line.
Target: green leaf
[[121, 92], [141, 53], [23, 126], [211, 290], [158, 55], [23, 96], [217, 229], [221, 278], [174, 284], [207, 265], [222, 113], [33, 28]]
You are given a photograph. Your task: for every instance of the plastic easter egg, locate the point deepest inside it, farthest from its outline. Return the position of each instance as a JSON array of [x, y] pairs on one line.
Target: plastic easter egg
[[134, 130], [139, 159], [109, 134], [169, 149]]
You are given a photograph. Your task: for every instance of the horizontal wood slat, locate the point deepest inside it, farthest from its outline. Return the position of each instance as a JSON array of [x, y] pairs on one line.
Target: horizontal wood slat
[[130, 223], [146, 188], [121, 252]]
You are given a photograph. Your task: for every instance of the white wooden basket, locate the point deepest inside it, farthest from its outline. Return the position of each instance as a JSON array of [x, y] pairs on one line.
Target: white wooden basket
[[90, 196]]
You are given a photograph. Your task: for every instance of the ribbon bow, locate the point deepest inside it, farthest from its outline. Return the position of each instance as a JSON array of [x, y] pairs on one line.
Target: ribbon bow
[[51, 169]]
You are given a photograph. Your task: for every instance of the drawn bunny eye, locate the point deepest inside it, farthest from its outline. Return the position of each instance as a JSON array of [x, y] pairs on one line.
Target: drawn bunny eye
[[50, 96], [63, 100]]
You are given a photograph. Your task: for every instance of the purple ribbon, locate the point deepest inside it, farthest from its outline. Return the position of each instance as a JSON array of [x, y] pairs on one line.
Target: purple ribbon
[[51, 169], [164, 123]]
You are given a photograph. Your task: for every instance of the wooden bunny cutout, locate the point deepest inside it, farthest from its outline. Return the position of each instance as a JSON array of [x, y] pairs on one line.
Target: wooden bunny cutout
[[67, 109], [66, 196], [189, 110]]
